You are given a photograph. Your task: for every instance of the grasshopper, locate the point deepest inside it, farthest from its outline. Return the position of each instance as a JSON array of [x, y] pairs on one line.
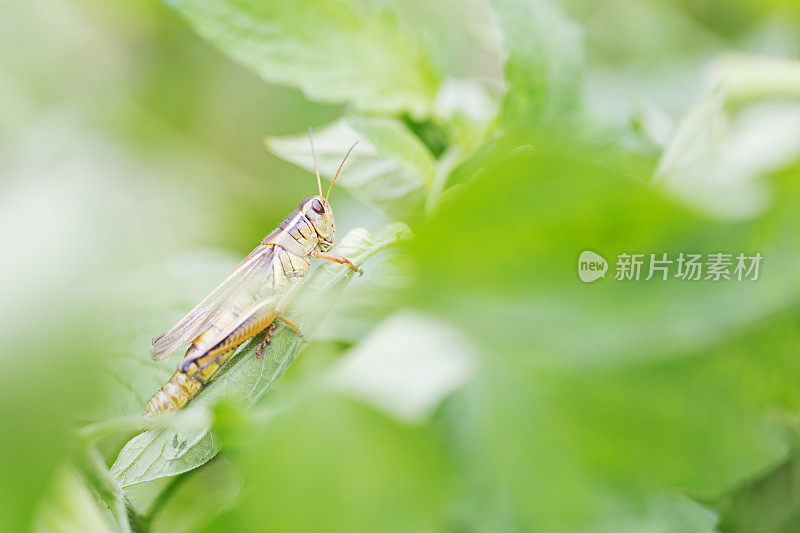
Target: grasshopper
[[250, 300]]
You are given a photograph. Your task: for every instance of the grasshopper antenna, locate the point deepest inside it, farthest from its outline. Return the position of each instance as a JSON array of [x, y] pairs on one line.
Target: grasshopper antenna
[[340, 168], [314, 155]]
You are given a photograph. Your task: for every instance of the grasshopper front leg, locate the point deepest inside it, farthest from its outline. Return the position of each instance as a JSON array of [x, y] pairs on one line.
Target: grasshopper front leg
[[336, 259]]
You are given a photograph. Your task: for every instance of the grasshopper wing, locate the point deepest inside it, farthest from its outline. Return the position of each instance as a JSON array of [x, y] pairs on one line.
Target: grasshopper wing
[[247, 283]]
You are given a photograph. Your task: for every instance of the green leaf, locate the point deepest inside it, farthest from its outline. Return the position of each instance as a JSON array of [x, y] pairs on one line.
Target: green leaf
[[734, 136], [613, 387], [71, 506], [465, 109], [364, 305], [407, 376], [332, 50], [329, 464], [389, 168], [695, 136], [188, 443], [768, 503], [679, 513], [751, 78], [576, 206], [218, 481], [544, 60]]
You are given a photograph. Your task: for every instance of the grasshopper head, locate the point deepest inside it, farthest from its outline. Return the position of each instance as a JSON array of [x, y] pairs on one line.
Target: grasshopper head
[[318, 211]]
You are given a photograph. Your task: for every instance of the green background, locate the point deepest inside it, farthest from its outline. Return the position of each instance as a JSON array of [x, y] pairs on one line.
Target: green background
[[469, 381]]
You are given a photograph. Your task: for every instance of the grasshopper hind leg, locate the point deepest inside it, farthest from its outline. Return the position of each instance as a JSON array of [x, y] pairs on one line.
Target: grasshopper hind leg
[[267, 339], [196, 369]]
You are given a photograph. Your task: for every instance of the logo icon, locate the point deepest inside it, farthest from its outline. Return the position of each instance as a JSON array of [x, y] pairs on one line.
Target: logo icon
[[591, 266]]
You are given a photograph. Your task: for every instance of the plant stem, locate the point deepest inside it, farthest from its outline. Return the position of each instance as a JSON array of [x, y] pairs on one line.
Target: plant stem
[[94, 470], [167, 493]]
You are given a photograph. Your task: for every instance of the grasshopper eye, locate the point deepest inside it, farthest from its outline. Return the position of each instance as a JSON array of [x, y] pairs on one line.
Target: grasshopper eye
[[316, 205]]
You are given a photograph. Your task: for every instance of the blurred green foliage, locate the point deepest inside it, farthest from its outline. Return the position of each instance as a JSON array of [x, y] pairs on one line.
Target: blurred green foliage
[[509, 135]]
